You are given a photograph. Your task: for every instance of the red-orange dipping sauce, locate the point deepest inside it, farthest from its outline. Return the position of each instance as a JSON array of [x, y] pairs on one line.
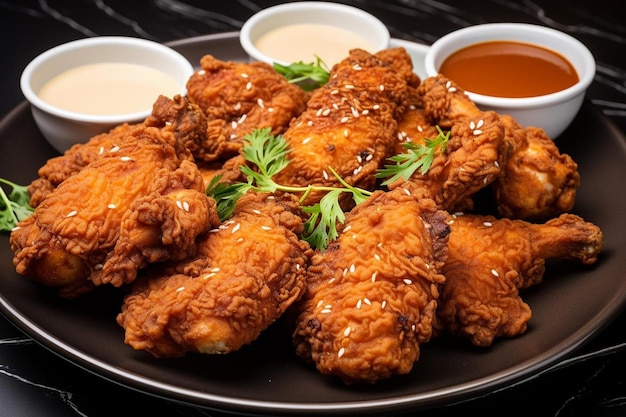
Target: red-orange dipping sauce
[[509, 69]]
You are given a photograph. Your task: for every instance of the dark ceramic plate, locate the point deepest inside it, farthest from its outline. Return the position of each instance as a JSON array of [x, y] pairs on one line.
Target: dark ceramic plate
[[569, 308]]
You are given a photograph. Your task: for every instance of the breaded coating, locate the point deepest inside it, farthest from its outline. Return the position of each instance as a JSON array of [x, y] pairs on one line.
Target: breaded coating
[[349, 124], [470, 162], [147, 182], [238, 97], [58, 169], [371, 296], [490, 260], [246, 274], [537, 181]]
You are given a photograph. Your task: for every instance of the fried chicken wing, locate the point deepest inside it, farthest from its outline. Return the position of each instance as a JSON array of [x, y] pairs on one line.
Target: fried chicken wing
[[371, 296], [470, 162], [490, 260], [76, 234], [349, 124], [237, 98], [246, 274], [537, 181]]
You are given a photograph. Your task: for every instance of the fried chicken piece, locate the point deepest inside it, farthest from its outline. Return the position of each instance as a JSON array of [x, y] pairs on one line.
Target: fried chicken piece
[[190, 130], [537, 181], [246, 274], [141, 201], [371, 296], [471, 161], [349, 124], [238, 97], [58, 169], [489, 260]]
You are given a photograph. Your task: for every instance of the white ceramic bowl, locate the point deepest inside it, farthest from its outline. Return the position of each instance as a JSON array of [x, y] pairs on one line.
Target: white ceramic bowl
[[552, 112], [64, 128], [341, 16]]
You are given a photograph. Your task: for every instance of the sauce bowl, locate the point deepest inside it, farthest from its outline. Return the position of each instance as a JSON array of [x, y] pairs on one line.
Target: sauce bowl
[[63, 128], [552, 112], [310, 14]]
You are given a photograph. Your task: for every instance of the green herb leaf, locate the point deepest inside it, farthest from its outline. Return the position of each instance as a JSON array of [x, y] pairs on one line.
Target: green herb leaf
[[309, 76], [417, 157], [14, 206], [269, 155]]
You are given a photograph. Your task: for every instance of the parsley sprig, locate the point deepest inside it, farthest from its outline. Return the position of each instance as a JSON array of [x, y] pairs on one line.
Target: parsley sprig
[[269, 154], [309, 76], [416, 157], [14, 206]]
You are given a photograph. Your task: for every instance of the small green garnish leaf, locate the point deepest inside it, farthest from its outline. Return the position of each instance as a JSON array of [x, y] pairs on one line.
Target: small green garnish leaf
[[14, 206], [269, 154], [309, 76], [417, 157]]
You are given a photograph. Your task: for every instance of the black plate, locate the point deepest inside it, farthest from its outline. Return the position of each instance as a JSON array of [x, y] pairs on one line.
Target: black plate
[[569, 308]]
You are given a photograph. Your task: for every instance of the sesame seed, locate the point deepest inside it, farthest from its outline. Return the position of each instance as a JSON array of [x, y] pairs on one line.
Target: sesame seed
[[249, 86], [242, 119], [98, 267], [325, 174], [259, 101], [326, 112], [358, 304], [319, 303], [374, 276], [101, 151], [406, 191], [356, 67], [357, 170], [420, 128], [341, 352], [407, 281], [330, 281], [309, 123], [186, 206], [346, 331], [319, 112], [381, 87], [480, 123], [354, 111], [215, 270], [376, 106], [114, 149], [352, 268], [179, 204], [326, 311], [201, 72], [367, 301], [334, 92], [448, 84], [496, 163], [477, 132], [452, 89], [179, 289], [345, 133], [71, 213], [348, 227], [233, 136], [349, 86], [255, 211], [487, 224], [377, 256], [233, 124], [236, 228], [494, 273], [383, 304], [344, 119], [306, 140], [207, 276], [266, 228], [112, 206], [298, 267], [345, 272], [271, 109], [125, 158], [237, 106], [244, 75]]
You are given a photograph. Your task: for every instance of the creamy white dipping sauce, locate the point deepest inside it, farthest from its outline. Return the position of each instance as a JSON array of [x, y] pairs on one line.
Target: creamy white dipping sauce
[[108, 88], [304, 41]]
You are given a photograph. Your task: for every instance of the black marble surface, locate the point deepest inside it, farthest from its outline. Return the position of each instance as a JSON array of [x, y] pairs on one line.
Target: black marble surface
[[35, 382]]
